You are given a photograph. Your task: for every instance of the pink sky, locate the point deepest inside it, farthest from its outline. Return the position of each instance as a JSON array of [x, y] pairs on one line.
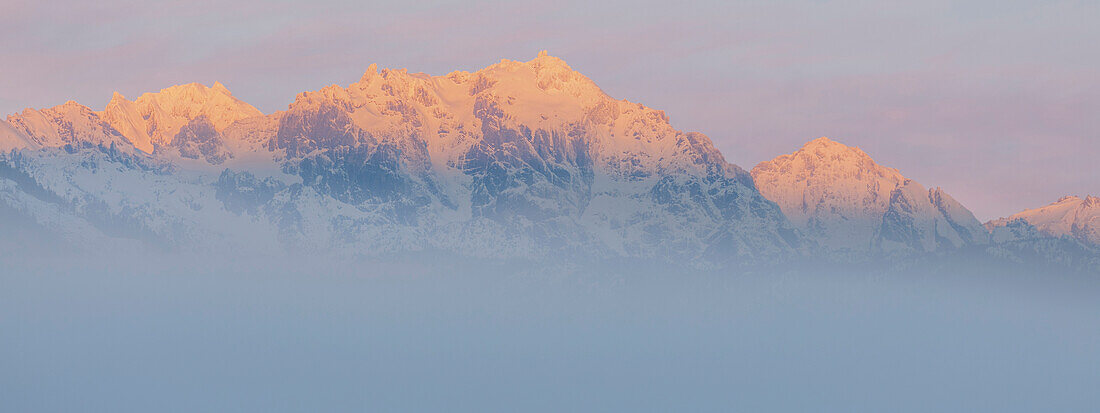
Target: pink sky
[[997, 102]]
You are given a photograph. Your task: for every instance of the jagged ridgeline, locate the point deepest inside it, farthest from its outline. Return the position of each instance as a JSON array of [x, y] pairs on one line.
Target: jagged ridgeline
[[851, 209], [517, 160], [520, 159]]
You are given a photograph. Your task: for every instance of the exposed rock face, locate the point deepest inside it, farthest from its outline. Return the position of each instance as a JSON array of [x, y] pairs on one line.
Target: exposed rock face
[[199, 139], [521, 158], [70, 124], [155, 119], [1070, 217], [921, 220], [1062, 233], [534, 147], [851, 206]]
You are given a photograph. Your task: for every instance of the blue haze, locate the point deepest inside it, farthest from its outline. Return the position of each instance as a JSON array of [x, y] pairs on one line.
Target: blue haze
[[290, 336]]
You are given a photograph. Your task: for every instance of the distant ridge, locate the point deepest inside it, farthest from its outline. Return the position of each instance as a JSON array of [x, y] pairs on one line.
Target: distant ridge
[[519, 159], [850, 205]]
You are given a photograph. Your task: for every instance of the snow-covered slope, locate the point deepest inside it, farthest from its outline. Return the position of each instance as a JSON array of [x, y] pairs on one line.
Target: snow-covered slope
[[103, 198], [533, 146], [838, 196], [70, 124], [1071, 216], [154, 119], [12, 138], [518, 159]]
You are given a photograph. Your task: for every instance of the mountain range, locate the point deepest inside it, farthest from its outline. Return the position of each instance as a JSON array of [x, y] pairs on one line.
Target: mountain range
[[519, 159]]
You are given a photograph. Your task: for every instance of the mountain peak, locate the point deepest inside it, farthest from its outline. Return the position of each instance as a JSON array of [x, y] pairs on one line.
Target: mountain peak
[[828, 146], [544, 59], [825, 157], [67, 123], [371, 73], [191, 88], [825, 177], [1067, 198], [1069, 216], [155, 118], [822, 141], [219, 87], [542, 91], [838, 194]]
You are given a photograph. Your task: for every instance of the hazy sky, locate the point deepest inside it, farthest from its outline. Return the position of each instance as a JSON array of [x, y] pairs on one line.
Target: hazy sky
[[996, 101]]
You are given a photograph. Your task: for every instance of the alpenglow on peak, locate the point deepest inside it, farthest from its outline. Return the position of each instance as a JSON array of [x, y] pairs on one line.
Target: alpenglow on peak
[[839, 196]]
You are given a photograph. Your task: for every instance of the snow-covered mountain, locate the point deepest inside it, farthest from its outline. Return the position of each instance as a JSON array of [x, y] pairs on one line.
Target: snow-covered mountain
[[12, 138], [851, 206], [517, 159], [155, 119], [1070, 217], [69, 124]]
